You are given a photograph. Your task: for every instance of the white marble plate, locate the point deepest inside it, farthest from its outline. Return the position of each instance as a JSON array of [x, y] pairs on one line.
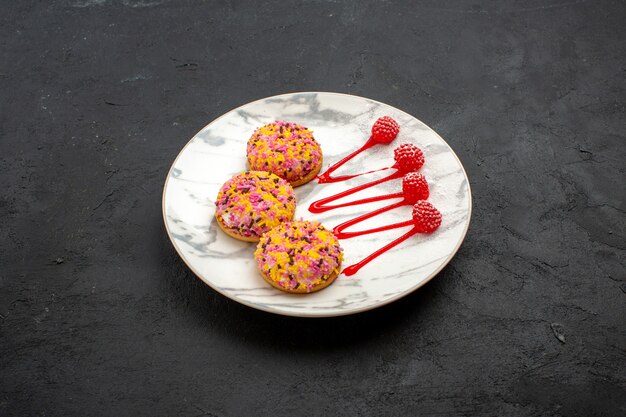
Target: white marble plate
[[341, 123]]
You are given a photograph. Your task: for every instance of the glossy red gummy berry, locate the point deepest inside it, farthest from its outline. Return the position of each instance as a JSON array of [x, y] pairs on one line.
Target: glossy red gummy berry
[[385, 130], [426, 217], [414, 187], [408, 157]]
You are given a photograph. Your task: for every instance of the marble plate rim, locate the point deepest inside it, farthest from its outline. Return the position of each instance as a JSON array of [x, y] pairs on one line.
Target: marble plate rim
[[317, 314]]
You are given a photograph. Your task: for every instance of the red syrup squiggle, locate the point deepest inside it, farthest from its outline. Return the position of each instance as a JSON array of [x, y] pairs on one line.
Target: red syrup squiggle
[[384, 131], [408, 157], [414, 188], [326, 176], [321, 205], [426, 219], [338, 231], [353, 269]]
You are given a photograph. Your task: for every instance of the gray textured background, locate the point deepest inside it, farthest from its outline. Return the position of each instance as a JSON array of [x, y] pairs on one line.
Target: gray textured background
[[98, 315]]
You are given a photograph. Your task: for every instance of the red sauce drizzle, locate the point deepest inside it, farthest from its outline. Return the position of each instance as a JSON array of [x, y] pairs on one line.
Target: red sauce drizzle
[[321, 205], [326, 176], [384, 131], [338, 231], [353, 269], [411, 186], [414, 188], [410, 161]]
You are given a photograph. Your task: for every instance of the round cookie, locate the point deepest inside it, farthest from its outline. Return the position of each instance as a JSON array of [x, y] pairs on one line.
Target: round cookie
[[251, 203], [299, 257], [287, 150]]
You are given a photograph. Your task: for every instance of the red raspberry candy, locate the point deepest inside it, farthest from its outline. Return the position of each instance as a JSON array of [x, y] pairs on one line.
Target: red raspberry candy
[[385, 130], [414, 187], [408, 157], [426, 217]]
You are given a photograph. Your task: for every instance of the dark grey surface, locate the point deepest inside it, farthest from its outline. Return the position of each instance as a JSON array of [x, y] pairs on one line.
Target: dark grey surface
[[99, 316]]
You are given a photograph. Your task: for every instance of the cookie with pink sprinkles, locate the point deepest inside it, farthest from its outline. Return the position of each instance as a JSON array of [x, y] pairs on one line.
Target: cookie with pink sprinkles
[[299, 257], [287, 150], [251, 203]]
